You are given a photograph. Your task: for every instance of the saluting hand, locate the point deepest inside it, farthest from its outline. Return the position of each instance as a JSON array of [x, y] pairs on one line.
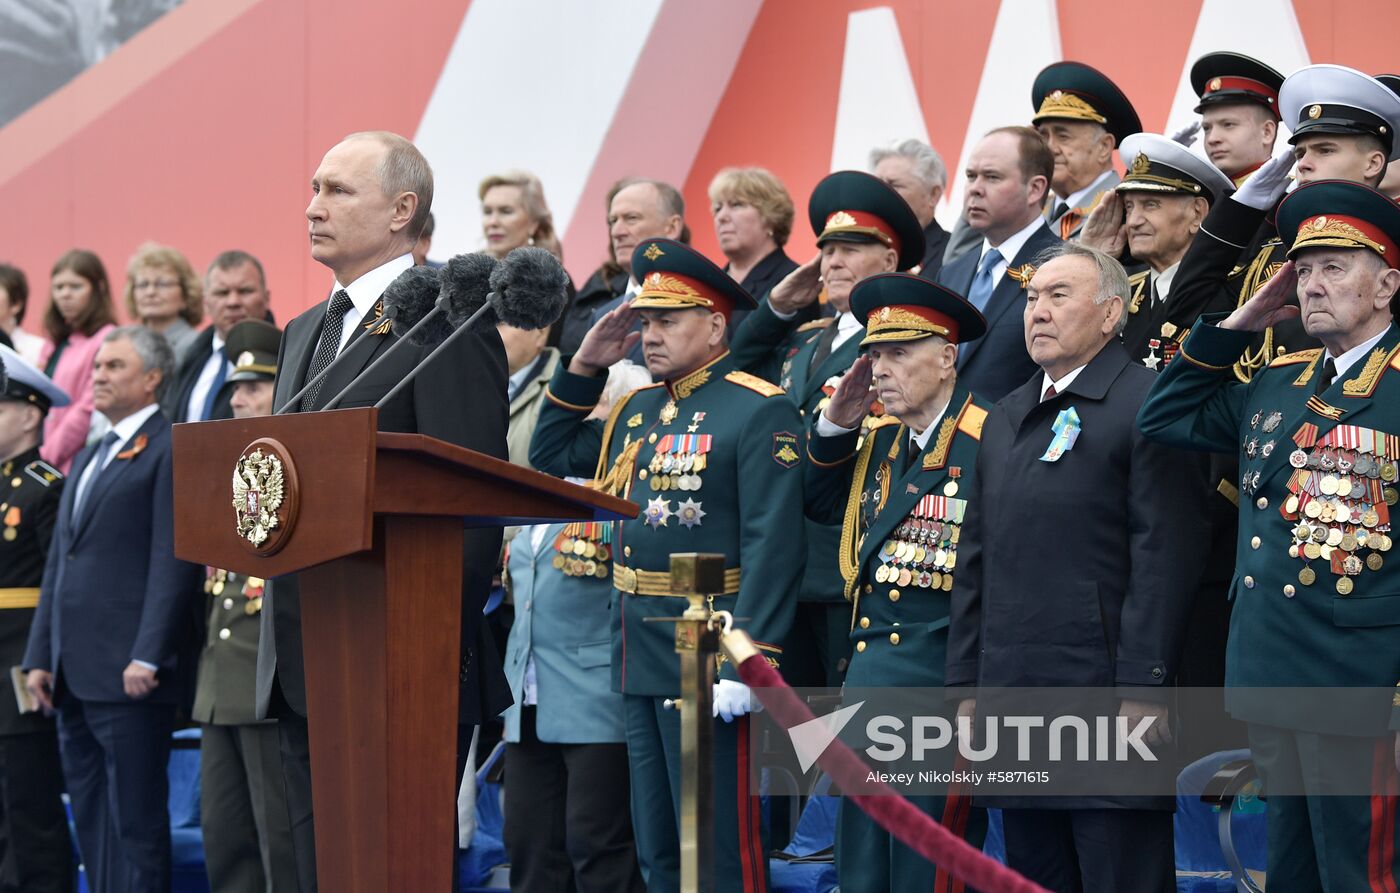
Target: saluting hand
[[1105, 228], [797, 289], [138, 681], [1269, 306], [610, 340], [853, 397]]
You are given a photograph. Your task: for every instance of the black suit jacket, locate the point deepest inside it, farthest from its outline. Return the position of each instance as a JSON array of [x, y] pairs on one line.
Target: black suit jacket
[[178, 397], [997, 363], [935, 243], [113, 590], [1119, 514], [460, 398]]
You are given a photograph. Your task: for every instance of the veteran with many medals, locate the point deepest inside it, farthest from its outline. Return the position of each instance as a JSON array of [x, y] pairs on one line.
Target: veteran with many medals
[[899, 494], [712, 457], [36, 853], [863, 227], [1318, 436]]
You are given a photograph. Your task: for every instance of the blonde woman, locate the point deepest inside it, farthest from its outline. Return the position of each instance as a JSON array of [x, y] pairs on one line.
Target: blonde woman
[[753, 218], [164, 294], [514, 214]]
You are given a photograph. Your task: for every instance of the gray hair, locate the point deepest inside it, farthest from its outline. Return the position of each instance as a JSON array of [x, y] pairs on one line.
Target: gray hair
[[152, 348], [403, 169], [669, 198], [624, 377], [927, 163], [1113, 279]]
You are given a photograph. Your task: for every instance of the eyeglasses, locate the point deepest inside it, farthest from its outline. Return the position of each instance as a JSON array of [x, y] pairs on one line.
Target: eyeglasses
[[140, 284]]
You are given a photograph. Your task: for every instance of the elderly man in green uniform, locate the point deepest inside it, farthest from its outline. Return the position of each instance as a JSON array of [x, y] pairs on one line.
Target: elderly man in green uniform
[[1317, 431], [713, 458], [1082, 115], [243, 810], [36, 853], [863, 227], [899, 497]]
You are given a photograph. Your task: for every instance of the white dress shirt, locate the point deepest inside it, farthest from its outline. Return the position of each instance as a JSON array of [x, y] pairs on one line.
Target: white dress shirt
[[194, 410], [365, 291], [1351, 357], [825, 427], [1009, 248], [1162, 283], [1076, 199], [1060, 383]]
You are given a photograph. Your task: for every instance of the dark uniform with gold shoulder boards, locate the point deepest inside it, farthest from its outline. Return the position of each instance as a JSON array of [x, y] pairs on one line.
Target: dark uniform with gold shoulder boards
[[1315, 588], [807, 360], [900, 515], [713, 459], [1072, 91], [36, 852], [243, 809], [1238, 248]]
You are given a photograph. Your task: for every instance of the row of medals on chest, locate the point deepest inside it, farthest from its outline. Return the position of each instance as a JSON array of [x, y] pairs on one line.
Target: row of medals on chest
[[1337, 502], [923, 550], [583, 549], [677, 463], [216, 581]]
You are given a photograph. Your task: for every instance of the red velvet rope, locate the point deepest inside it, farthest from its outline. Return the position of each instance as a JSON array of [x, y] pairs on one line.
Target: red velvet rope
[[913, 827]]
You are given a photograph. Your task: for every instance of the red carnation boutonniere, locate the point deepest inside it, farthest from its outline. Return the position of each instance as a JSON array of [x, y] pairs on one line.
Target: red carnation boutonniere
[[136, 447]]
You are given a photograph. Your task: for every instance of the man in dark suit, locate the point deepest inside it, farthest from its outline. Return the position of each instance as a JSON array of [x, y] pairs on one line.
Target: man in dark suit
[[36, 851], [916, 171], [235, 289], [1007, 176], [115, 614], [1118, 513], [370, 197]]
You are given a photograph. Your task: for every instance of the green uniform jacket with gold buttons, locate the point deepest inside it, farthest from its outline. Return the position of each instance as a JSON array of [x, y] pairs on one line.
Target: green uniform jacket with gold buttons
[[781, 351], [900, 628], [746, 507], [1295, 622], [29, 495], [228, 666]]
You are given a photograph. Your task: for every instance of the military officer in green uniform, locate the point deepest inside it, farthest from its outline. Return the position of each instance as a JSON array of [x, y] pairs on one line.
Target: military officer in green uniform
[[1344, 126], [36, 853], [863, 227], [1318, 435], [712, 456], [899, 496], [243, 810]]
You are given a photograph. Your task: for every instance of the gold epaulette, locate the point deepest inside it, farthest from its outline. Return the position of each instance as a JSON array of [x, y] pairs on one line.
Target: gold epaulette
[[754, 383], [1135, 278], [43, 472], [1297, 356], [819, 323], [873, 422], [971, 421], [1395, 362]]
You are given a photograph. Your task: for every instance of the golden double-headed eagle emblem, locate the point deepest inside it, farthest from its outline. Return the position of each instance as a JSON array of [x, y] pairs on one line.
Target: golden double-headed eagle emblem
[[258, 487]]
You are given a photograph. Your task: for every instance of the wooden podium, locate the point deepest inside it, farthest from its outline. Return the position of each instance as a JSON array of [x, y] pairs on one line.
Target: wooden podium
[[373, 524]]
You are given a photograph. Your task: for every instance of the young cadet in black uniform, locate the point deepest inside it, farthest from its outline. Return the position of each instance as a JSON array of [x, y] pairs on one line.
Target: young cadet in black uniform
[[1344, 125], [899, 497], [36, 853], [863, 228]]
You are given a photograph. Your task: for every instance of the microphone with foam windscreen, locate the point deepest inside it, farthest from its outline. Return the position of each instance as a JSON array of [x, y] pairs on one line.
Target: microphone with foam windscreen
[[528, 291], [460, 287]]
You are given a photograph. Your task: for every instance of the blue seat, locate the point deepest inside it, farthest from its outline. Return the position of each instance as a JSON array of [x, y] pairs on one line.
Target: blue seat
[[479, 863], [1219, 820], [807, 863], [187, 871]]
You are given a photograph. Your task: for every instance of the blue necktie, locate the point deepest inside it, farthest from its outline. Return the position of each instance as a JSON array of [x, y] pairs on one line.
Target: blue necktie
[[982, 285], [219, 378], [90, 479]]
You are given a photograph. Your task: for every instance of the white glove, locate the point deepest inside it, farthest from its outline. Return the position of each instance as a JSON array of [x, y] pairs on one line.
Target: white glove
[[1187, 135], [1267, 184], [732, 700]]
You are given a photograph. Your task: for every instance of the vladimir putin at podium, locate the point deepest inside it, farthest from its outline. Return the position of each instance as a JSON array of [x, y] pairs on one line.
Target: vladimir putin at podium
[[370, 199]]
